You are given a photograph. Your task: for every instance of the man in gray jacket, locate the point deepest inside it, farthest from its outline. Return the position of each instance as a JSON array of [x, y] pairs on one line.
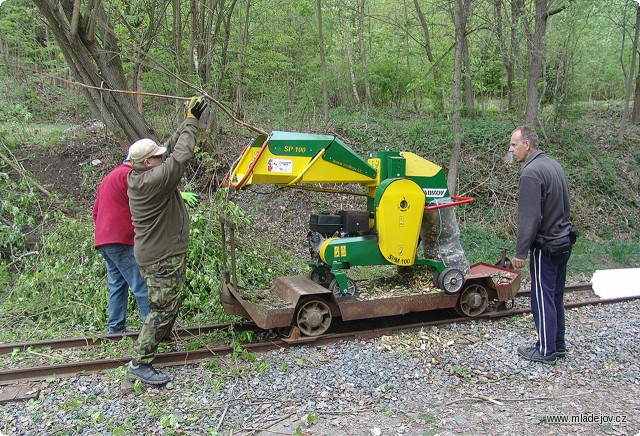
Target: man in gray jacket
[[544, 231], [161, 225]]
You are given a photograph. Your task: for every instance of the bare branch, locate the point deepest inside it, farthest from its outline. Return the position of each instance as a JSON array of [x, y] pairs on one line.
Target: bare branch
[[556, 11]]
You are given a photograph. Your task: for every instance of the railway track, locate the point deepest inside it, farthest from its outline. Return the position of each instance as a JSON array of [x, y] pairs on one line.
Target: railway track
[[40, 372]]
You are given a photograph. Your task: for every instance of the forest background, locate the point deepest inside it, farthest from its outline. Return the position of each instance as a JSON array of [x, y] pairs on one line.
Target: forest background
[[447, 80]]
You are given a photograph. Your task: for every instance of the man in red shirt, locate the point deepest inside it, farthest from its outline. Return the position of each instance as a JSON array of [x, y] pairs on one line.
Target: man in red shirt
[[114, 240]]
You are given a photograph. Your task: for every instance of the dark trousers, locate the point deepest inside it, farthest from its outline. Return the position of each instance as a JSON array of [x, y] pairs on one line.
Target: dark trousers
[[548, 276]]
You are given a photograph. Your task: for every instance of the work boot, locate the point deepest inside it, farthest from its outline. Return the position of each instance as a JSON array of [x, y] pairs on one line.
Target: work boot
[[147, 374], [533, 354], [115, 332]]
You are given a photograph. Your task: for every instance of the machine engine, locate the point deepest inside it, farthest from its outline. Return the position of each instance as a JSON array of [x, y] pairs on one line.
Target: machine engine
[[344, 224]]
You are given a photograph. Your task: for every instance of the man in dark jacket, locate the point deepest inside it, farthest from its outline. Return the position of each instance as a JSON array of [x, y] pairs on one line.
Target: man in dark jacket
[[544, 231], [113, 238], [161, 224]]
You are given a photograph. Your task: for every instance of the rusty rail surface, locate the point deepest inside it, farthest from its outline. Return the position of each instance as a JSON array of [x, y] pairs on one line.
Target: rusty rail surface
[[97, 340], [192, 356], [182, 333]]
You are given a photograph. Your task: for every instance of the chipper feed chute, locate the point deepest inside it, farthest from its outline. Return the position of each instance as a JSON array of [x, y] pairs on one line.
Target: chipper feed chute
[[286, 158]]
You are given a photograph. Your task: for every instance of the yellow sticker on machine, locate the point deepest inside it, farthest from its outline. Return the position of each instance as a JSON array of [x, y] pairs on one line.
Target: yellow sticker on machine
[[339, 251]]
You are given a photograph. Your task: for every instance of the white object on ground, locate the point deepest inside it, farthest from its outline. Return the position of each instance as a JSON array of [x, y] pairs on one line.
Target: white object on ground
[[616, 283]]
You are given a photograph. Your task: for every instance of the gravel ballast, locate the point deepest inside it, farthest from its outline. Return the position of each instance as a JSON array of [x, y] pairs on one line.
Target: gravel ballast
[[457, 379]]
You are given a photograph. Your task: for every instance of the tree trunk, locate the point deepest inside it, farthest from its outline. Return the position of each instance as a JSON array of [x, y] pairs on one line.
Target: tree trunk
[[243, 41], [630, 76], [468, 84], [352, 70], [437, 75], [138, 87], [193, 53], [635, 115], [177, 43], [456, 125], [507, 60], [536, 58], [96, 65], [517, 7], [225, 25], [323, 62], [363, 56]]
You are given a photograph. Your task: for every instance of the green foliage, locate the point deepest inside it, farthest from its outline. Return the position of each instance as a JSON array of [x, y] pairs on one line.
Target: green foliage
[[21, 208], [483, 245], [237, 341], [204, 258], [169, 421], [312, 418], [16, 20], [460, 371], [17, 113], [137, 386], [22, 104], [428, 417], [63, 286], [97, 417]]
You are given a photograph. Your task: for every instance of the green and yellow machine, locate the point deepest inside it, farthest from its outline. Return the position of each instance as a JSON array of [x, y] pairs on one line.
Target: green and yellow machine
[[405, 194], [408, 221]]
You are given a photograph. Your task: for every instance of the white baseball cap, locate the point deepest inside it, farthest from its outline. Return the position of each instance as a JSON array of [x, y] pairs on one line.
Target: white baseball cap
[[145, 148]]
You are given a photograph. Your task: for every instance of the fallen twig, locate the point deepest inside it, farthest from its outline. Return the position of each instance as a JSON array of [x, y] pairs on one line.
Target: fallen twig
[[22, 256], [473, 398], [222, 418], [342, 412], [22, 174], [265, 429], [502, 400], [39, 354]]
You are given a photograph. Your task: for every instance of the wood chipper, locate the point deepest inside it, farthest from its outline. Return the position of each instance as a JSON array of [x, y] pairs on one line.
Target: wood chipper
[[409, 220]]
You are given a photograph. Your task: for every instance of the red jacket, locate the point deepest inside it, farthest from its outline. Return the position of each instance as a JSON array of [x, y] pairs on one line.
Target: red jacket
[[111, 213]]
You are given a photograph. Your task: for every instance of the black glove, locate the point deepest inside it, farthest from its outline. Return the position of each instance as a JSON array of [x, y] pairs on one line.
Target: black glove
[[196, 107]]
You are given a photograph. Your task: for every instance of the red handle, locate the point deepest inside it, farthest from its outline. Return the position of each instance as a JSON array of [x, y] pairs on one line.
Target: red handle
[[457, 201]]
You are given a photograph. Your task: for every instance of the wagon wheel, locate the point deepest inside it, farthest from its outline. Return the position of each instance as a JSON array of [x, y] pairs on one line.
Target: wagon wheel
[[451, 280], [321, 275], [335, 288], [313, 317], [473, 300]]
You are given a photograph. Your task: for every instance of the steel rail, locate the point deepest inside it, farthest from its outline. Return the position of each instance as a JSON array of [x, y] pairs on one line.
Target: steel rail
[[183, 333], [579, 287], [94, 341], [192, 356]]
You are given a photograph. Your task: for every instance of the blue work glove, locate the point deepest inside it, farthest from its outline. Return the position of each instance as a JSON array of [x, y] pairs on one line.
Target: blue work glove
[[196, 107], [191, 198]]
